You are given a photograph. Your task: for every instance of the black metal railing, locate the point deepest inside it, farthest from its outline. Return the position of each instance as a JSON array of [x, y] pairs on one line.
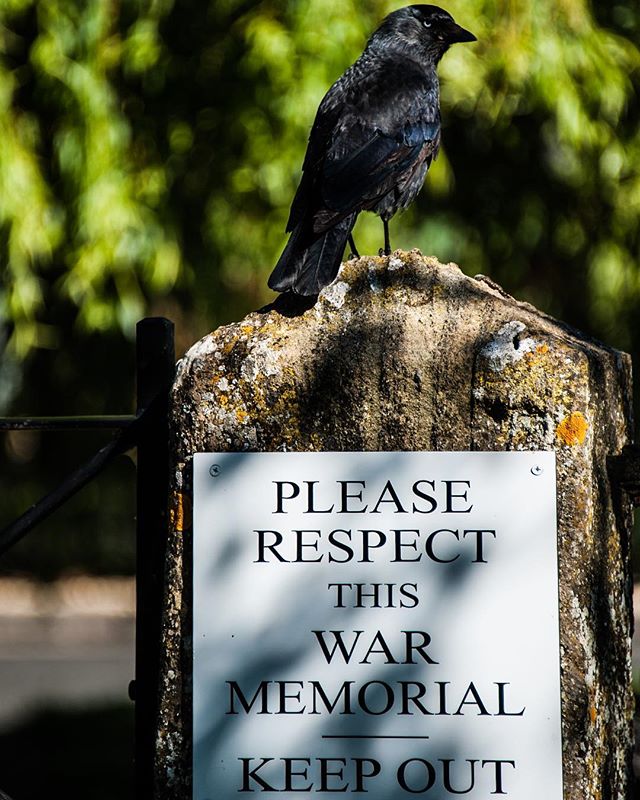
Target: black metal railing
[[148, 432]]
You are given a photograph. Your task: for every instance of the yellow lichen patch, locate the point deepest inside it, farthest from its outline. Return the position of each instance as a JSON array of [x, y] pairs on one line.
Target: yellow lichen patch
[[542, 349], [180, 513], [227, 347], [241, 415], [573, 429]]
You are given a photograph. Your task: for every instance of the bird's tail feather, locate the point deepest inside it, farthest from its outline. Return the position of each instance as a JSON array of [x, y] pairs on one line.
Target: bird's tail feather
[[306, 266]]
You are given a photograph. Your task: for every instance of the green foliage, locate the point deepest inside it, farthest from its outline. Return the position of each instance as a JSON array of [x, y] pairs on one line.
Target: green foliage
[[147, 145], [81, 210], [149, 151]]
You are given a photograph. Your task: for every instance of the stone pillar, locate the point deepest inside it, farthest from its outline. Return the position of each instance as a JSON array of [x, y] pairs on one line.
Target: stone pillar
[[404, 353]]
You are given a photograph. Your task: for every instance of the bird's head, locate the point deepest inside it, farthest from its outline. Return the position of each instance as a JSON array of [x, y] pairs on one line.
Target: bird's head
[[426, 31]]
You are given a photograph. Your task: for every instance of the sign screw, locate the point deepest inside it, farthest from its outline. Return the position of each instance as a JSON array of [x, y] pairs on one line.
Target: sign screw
[[537, 470], [214, 470]]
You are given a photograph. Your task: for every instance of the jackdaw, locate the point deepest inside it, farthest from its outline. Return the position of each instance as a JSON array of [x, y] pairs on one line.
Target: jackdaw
[[375, 135]]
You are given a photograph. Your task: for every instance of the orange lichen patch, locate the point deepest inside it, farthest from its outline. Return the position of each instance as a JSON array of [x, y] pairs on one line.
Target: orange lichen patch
[[539, 350], [573, 429], [536, 357], [241, 415], [180, 513], [592, 713]]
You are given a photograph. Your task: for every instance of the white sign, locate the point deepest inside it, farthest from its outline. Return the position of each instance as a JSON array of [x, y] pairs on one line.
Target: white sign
[[378, 624]]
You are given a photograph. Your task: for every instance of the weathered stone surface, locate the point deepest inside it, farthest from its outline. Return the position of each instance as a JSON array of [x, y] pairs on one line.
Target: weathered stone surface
[[404, 353]]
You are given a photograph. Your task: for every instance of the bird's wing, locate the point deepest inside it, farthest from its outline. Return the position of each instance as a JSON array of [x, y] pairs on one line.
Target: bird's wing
[[327, 117], [371, 170], [371, 130], [390, 126]]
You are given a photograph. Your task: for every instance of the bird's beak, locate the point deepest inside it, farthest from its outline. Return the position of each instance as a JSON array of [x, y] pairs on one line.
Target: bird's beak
[[459, 34]]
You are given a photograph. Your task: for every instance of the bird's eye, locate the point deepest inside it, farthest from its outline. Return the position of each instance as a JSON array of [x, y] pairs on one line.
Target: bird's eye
[[426, 24]]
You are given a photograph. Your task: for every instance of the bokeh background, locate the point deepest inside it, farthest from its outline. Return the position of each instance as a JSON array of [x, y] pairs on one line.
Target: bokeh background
[[149, 151]]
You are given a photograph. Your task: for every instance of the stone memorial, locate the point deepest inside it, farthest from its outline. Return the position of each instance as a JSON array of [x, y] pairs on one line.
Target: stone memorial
[[400, 355]]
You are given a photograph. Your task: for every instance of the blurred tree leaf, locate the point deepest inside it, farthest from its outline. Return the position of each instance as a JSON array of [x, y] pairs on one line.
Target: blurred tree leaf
[[147, 146]]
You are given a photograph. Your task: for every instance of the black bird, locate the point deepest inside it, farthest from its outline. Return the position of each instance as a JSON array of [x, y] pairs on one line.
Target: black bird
[[375, 135]]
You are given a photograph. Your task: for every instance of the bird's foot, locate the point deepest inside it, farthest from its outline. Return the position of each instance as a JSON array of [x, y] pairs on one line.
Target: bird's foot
[[387, 240], [384, 251]]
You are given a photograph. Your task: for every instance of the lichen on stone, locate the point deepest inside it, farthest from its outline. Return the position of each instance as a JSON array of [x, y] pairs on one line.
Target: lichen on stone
[[573, 429], [335, 293], [506, 347]]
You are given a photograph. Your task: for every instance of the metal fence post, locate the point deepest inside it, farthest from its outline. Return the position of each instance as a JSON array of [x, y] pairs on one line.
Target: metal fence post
[[155, 358]]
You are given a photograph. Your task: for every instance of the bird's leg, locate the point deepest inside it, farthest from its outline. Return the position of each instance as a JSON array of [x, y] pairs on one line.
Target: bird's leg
[[387, 243], [354, 249]]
